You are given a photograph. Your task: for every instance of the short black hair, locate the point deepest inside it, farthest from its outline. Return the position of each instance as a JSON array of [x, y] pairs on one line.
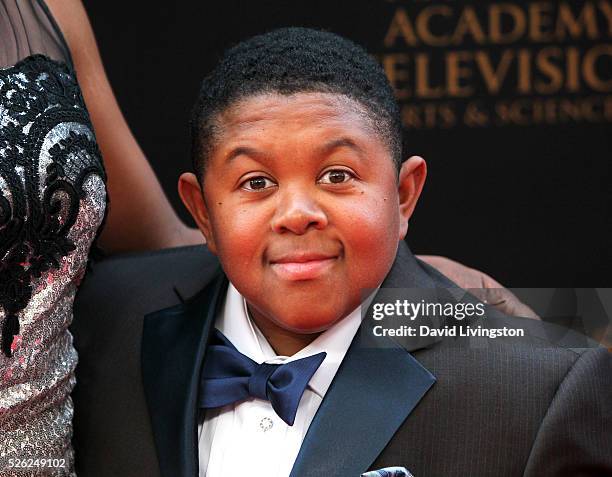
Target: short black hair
[[294, 60]]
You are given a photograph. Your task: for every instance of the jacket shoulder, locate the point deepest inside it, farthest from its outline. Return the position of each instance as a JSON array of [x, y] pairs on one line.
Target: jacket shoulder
[[108, 321]]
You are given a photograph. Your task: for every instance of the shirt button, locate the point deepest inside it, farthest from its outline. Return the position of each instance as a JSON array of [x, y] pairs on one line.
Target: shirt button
[[265, 424]]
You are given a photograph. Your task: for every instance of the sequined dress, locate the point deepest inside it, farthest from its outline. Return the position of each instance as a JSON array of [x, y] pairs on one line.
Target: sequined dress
[[52, 204]]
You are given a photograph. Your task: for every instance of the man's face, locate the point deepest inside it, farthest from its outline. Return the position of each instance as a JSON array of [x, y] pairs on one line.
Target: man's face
[[301, 206]]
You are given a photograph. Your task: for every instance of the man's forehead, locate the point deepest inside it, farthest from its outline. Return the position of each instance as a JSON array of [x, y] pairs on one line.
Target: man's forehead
[[314, 123], [265, 107]]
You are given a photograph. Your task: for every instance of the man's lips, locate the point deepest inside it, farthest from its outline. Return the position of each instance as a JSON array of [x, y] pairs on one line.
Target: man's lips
[[302, 266]]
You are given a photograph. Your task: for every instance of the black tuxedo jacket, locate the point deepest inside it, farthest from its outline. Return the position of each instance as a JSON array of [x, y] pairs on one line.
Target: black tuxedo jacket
[[506, 410]]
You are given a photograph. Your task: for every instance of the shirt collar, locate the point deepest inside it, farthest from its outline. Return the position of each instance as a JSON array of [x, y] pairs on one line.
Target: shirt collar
[[235, 324]]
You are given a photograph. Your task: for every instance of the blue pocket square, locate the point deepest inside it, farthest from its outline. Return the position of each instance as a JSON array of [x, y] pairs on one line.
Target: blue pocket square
[[388, 472]]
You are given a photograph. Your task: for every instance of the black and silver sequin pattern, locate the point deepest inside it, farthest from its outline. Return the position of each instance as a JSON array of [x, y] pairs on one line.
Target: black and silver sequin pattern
[[52, 202]]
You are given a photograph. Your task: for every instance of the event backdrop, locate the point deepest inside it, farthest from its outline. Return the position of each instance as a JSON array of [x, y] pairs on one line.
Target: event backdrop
[[510, 102]]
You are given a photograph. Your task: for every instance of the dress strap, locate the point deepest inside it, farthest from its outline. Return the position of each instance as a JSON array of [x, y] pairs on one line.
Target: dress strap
[[27, 28], [58, 32]]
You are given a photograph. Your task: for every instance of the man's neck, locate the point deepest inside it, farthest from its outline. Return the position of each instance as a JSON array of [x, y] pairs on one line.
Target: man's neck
[[283, 342]]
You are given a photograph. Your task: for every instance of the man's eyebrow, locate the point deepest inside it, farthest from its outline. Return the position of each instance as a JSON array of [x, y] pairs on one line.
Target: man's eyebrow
[[341, 142], [242, 151], [326, 148]]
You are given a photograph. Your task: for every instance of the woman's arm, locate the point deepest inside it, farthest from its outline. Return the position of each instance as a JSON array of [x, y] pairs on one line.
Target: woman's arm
[[481, 285], [140, 216]]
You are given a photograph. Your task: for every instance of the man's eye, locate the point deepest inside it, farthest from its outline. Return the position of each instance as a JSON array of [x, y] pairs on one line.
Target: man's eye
[[257, 183], [336, 176]]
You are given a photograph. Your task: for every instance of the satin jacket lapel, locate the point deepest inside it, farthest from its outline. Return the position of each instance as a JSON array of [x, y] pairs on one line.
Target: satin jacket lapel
[[377, 386], [173, 345], [373, 393]]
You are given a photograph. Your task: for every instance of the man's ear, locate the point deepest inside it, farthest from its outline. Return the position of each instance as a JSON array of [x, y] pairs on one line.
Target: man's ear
[[193, 197], [411, 180]]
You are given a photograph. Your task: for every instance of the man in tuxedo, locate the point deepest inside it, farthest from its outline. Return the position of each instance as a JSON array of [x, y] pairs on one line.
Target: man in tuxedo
[[302, 193]]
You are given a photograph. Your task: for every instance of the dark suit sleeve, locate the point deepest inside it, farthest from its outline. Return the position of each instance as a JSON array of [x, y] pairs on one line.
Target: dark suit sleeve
[[575, 436], [112, 428]]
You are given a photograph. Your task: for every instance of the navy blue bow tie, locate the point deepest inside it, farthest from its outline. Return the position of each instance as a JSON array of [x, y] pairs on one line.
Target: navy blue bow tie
[[229, 376]]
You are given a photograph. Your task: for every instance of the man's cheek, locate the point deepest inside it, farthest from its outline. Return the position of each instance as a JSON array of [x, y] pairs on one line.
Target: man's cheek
[[375, 240], [377, 222], [240, 224], [238, 242]]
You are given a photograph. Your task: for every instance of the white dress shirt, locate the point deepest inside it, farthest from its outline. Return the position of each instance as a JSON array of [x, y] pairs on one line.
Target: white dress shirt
[[248, 438]]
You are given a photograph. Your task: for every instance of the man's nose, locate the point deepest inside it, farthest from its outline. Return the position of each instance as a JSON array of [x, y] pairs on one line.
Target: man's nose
[[297, 211]]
